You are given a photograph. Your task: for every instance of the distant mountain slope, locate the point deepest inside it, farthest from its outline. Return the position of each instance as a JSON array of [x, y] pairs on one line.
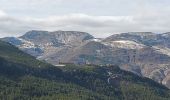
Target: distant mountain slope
[[23, 77], [144, 53], [146, 38], [152, 59], [39, 43], [57, 37]]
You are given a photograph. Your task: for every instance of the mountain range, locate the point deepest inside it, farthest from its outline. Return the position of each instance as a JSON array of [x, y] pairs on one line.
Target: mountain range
[[23, 77], [146, 54]]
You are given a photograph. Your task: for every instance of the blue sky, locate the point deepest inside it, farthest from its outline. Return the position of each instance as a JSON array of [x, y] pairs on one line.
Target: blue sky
[[98, 17]]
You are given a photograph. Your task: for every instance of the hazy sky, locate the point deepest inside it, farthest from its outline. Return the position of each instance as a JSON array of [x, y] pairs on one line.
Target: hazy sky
[[98, 17]]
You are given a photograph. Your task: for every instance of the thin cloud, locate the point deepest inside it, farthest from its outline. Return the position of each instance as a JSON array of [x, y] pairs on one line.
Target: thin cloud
[[98, 18], [79, 22]]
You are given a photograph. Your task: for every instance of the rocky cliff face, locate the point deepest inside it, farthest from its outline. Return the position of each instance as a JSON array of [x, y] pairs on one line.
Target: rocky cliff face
[[143, 53]]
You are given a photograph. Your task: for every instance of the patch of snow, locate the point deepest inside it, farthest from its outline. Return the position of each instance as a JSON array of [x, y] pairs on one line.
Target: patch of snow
[[164, 82], [108, 80], [39, 57], [26, 44], [110, 73], [96, 40], [126, 44], [162, 50], [165, 35]]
